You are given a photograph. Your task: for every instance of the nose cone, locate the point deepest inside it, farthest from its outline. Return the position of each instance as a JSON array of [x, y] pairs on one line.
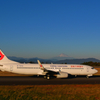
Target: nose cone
[[96, 71]]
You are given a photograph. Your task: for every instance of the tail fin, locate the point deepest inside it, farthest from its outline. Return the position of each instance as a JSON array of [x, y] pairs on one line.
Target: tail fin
[[41, 66], [4, 59]]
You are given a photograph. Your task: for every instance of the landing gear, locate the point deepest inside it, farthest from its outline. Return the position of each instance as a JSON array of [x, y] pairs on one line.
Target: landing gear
[[47, 76], [75, 75], [87, 76]]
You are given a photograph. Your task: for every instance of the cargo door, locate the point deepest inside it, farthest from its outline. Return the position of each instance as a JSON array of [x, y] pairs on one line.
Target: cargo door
[[11, 68]]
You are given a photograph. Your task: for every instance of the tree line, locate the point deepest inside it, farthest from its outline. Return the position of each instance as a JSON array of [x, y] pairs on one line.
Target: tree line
[[90, 63]]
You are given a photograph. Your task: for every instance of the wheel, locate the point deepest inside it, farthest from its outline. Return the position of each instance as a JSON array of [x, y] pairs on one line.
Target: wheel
[[45, 76], [48, 77]]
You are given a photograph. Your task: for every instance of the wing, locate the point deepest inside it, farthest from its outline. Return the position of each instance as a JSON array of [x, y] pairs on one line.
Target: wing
[[56, 72], [46, 70]]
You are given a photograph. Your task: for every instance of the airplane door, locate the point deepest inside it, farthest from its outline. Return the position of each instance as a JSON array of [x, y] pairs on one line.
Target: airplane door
[[11, 68], [87, 69]]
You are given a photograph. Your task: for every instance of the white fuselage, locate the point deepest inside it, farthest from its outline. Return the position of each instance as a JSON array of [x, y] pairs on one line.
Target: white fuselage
[[34, 69], [58, 70]]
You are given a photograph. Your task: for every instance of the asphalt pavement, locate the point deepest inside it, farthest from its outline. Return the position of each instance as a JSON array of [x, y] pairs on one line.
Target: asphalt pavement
[[34, 80]]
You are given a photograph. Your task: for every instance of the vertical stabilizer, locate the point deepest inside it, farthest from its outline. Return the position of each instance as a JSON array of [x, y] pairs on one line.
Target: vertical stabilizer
[[4, 59]]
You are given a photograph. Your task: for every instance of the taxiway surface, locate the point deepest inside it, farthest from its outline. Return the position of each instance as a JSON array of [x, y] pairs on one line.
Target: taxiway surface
[[33, 80]]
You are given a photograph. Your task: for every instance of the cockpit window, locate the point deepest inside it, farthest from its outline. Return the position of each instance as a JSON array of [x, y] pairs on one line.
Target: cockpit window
[[92, 68]]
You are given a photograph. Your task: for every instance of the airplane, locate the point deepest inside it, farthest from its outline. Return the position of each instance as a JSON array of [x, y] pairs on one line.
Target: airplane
[[47, 70]]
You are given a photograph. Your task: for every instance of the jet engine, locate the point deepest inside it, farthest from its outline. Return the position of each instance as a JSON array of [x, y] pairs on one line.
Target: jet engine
[[62, 75]]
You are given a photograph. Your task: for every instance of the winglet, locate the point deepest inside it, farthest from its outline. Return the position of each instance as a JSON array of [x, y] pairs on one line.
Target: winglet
[[41, 66]]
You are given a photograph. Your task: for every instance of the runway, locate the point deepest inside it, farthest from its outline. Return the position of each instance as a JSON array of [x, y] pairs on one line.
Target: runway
[[34, 80]]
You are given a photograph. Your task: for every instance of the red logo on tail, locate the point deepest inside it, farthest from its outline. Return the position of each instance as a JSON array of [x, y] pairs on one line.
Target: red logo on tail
[[40, 65], [1, 56]]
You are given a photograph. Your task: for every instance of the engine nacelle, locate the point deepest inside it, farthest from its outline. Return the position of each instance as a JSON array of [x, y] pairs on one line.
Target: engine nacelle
[[62, 75]]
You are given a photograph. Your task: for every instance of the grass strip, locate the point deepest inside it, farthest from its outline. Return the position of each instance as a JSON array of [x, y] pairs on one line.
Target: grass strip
[[51, 92]]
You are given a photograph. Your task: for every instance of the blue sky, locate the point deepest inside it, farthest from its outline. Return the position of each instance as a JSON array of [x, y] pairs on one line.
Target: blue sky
[[47, 28]]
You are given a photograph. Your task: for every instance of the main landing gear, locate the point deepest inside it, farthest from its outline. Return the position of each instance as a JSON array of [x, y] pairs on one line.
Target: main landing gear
[[47, 77]]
